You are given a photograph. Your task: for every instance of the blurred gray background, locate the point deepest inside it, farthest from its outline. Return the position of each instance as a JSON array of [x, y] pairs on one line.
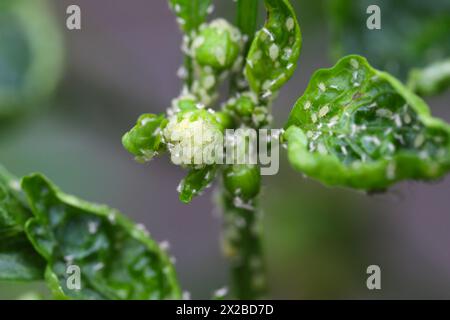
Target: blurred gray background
[[319, 241]]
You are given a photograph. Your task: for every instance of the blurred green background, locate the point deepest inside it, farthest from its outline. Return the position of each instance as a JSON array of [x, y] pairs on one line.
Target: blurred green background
[[319, 241]]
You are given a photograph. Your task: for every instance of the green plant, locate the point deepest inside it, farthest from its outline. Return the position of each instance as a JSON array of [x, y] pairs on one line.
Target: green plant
[[354, 126]]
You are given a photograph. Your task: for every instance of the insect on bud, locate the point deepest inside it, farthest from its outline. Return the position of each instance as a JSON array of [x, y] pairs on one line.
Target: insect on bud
[[145, 139], [242, 180], [217, 45], [193, 137], [245, 105]]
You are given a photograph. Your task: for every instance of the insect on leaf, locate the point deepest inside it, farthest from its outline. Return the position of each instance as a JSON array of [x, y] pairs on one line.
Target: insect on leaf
[[116, 258], [195, 182], [359, 127], [273, 55]]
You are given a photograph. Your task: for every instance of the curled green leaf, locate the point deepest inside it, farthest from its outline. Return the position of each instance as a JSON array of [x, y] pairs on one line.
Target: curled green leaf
[[145, 139], [195, 182], [116, 259], [430, 80], [273, 55], [358, 127], [190, 13], [18, 260]]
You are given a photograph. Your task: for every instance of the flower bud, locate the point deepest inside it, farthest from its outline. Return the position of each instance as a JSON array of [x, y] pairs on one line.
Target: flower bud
[[242, 180], [217, 45], [145, 139], [194, 138]]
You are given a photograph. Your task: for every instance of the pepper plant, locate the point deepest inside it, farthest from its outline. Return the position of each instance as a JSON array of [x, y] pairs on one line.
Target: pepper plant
[[354, 126]]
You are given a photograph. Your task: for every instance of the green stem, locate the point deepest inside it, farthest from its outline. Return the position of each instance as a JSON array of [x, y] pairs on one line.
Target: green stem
[[188, 65], [242, 246], [246, 21], [247, 18]]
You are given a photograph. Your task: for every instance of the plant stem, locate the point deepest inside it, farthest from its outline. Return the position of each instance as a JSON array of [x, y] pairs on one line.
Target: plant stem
[[188, 65], [242, 226], [246, 21], [242, 246], [247, 18]]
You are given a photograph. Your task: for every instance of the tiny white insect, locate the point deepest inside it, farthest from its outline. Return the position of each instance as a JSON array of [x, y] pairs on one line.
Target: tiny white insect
[[322, 87], [290, 24], [307, 105], [354, 63], [419, 140], [324, 111], [274, 52]]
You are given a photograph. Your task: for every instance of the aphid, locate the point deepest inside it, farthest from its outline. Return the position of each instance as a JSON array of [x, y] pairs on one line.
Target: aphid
[[307, 105], [390, 171], [164, 245], [322, 149], [290, 24], [419, 140], [324, 111], [354, 63], [274, 51], [322, 87]]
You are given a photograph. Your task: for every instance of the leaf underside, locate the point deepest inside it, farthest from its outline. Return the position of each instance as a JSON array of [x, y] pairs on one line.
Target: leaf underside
[[359, 127], [116, 258]]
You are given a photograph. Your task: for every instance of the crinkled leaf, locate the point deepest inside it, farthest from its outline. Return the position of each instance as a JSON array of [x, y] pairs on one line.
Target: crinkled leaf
[[195, 182], [144, 140], [117, 259], [18, 259], [273, 55], [30, 65], [413, 33], [190, 13], [432, 79], [359, 127]]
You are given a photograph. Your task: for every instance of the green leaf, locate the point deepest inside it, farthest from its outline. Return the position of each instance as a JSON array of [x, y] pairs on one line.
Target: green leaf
[[144, 140], [190, 13], [18, 260], [359, 127], [195, 182], [30, 65], [430, 80], [273, 55], [413, 33], [117, 259]]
